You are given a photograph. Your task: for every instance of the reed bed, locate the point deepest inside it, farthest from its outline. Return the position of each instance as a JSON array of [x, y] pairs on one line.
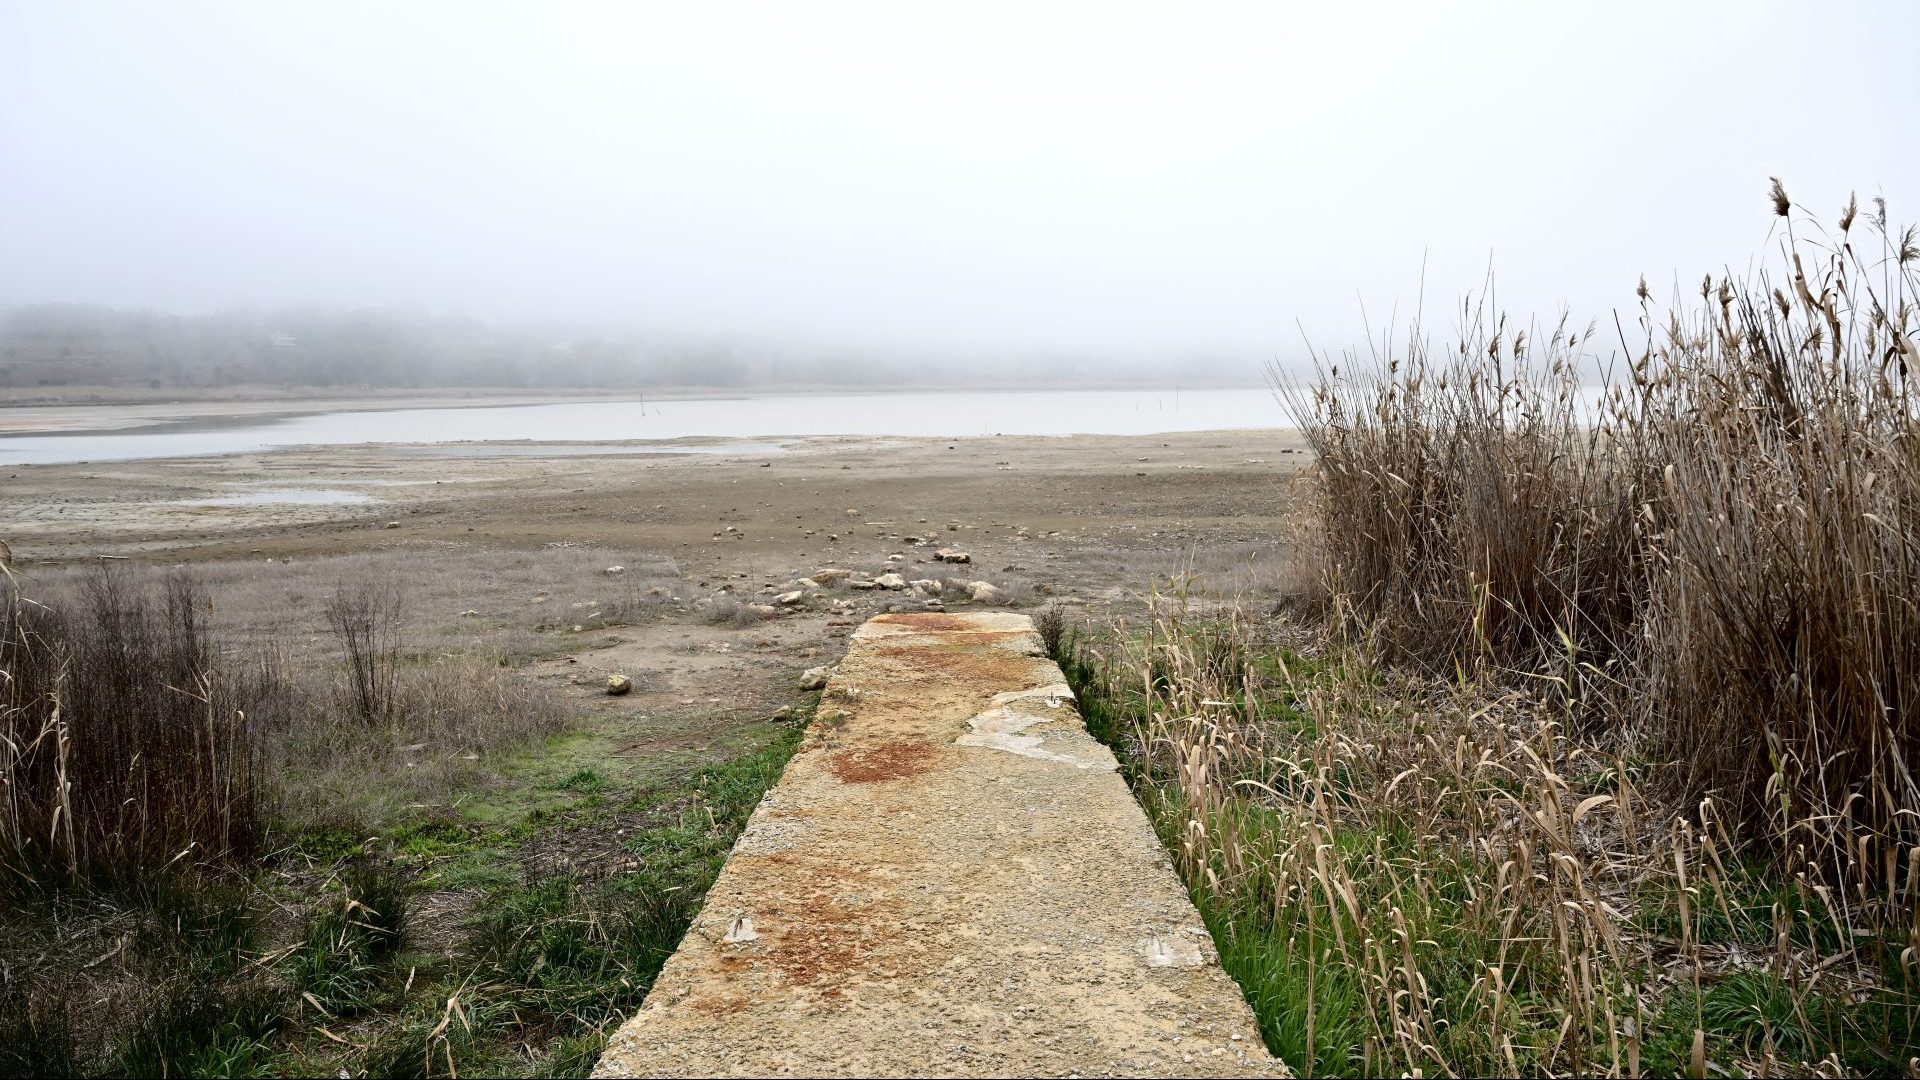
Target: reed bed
[[125, 745], [1584, 744], [1711, 553]]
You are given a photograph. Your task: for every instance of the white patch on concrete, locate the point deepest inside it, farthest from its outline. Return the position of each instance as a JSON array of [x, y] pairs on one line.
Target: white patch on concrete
[[1170, 952], [1002, 728], [1053, 694]]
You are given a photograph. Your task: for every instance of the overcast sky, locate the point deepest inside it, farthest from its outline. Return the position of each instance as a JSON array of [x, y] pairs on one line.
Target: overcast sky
[[1095, 178]]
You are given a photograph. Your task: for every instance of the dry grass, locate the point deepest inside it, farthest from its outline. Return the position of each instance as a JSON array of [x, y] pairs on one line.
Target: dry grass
[[1714, 556], [1412, 876], [126, 746]]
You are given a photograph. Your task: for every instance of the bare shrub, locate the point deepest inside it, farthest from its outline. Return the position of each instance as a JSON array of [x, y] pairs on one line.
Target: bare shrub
[[726, 609], [366, 616], [1051, 624]]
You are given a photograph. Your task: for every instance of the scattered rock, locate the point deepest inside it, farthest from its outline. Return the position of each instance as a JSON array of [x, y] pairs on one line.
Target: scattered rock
[[952, 556], [470, 614], [929, 586], [788, 599], [618, 684], [393, 525], [784, 712], [616, 570], [814, 678], [863, 583], [765, 611], [830, 575], [892, 582], [806, 583]]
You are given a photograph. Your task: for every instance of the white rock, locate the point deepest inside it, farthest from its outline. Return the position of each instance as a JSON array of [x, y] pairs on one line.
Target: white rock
[[814, 678], [891, 581], [984, 592], [788, 599], [616, 570]]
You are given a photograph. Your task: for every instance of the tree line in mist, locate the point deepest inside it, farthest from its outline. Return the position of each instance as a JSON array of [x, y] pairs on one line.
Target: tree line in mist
[[48, 346]]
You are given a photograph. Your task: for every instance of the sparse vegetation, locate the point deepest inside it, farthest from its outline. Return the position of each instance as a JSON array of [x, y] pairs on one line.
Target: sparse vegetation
[[1586, 748], [382, 877]]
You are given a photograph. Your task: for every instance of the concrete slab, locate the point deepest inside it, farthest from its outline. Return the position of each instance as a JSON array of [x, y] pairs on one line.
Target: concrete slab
[[950, 879]]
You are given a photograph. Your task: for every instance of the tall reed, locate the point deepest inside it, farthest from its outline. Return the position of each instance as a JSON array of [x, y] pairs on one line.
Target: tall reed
[[1712, 552], [127, 743]]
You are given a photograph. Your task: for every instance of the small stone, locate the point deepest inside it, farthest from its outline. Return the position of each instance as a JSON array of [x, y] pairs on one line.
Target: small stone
[[893, 582], [951, 556], [611, 570], [393, 525], [814, 678], [830, 575], [618, 684], [788, 599], [470, 614]]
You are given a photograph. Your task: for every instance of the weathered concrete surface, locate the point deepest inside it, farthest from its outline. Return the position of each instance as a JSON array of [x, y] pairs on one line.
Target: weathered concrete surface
[[949, 879]]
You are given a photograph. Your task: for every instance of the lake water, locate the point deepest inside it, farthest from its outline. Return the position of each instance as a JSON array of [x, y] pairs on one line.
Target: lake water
[[950, 414]]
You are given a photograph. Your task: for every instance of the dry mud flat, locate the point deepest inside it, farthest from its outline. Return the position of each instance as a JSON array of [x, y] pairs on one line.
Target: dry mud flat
[[949, 879]]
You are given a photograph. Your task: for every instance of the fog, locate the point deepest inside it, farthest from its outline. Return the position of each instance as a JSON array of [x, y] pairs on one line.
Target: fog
[[1120, 183]]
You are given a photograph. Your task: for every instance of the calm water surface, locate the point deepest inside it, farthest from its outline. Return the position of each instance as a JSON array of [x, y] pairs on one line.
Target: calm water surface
[[928, 414]]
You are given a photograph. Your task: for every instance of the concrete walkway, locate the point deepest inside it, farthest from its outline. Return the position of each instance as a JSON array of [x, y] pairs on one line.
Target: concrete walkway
[[949, 879]]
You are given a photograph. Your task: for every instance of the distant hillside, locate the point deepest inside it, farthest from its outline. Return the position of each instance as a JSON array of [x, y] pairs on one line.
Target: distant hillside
[[54, 345]]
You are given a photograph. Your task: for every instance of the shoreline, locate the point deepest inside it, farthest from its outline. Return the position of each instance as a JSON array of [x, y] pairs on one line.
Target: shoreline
[[200, 414]]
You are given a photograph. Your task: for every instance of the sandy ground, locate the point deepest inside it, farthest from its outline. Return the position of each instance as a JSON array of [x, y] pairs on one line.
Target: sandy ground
[[949, 879], [782, 510]]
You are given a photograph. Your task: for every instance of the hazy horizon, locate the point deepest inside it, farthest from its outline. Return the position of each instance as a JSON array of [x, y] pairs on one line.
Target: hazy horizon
[[1084, 181]]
